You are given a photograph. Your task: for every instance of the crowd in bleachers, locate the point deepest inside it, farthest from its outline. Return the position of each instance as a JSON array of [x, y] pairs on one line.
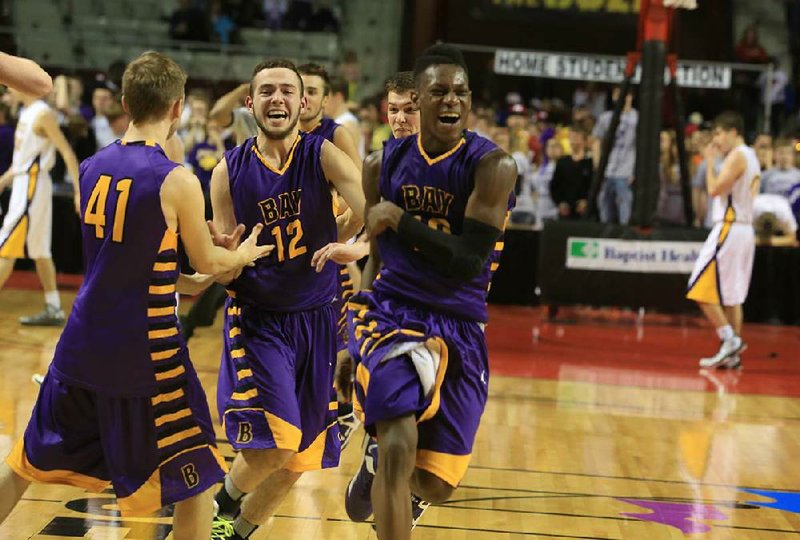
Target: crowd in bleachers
[[219, 20], [556, 147]]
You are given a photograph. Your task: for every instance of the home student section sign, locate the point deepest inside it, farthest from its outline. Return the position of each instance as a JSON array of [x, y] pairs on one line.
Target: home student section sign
[[614, 255], [607, 69]]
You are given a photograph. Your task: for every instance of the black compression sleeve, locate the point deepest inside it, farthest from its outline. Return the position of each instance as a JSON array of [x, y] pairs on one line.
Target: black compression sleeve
[[460, 256]]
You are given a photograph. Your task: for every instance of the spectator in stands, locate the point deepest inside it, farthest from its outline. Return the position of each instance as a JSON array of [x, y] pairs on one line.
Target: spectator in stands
[[298, 15], [572, 178], [749, 49], [350, 71], [776, 98], [582, 116], [701, 202], [323, 18], [102, 97], [480, 120], [223, 28], [764, 151], [546, 209], [670, 196], [188, 23], [780, 179], [616, 196], [337, 108], [274, 12], [118, 119]]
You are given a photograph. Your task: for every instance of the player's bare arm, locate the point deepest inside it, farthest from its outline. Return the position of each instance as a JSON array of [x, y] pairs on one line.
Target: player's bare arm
[[732, 168], [372, 195], [222, 111], [340, 171], [175, 149], [460, 256], [24, 75], [343, 140], [47, 126], [182, 203]]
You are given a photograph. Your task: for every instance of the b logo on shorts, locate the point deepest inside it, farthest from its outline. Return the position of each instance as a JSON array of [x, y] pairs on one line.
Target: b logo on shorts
[[245, 433], [190, 475]]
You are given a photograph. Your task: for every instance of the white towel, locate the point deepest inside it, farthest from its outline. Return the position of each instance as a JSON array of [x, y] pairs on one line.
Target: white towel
[[425, 359]]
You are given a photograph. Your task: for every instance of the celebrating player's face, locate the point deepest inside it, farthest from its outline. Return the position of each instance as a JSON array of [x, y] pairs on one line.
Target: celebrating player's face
[[725, 139], [444, 101], [403, 114], [315, 97], [276, 102]]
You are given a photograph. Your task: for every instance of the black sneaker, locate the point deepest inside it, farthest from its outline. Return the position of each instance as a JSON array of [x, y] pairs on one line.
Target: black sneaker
[[418, 507], [358, 497]]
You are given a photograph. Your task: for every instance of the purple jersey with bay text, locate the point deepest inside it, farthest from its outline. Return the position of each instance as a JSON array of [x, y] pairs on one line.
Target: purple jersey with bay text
[[295, 206], [435, 190]]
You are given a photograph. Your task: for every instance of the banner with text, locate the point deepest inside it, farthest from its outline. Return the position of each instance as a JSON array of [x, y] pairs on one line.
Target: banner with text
[[530, 9], [616, 255], [607, 69]]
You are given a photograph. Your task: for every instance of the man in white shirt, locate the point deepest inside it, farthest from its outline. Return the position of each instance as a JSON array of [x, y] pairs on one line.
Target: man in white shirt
[[337, 109]]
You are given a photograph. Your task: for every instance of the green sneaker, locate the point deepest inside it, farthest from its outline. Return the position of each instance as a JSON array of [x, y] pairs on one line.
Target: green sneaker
[[222, 528]]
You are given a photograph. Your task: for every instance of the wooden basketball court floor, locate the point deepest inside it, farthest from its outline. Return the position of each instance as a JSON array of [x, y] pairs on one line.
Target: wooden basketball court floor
[[599, 425]]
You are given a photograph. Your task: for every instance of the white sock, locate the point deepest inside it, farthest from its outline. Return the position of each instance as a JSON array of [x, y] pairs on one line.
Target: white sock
[[243, 527], [52, 298], [725, 332]]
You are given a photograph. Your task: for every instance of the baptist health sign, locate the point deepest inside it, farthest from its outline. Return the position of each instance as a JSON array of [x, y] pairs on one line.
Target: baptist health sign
[[616, 255]]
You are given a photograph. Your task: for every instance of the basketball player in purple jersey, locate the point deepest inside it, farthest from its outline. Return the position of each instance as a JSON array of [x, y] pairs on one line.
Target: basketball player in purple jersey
[[436, 206], [403, 116], [121, 404], [274, 393]]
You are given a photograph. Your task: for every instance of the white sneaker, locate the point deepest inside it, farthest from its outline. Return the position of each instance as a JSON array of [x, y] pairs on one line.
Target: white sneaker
[[38, 379], [729, 348]]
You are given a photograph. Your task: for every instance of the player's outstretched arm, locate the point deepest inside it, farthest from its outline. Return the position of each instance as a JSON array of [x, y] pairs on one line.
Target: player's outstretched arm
[[24, 75], [461, 256], [340, 170], [193, 284], [47, 125], [372, 196], [222, 111], [182, 203]]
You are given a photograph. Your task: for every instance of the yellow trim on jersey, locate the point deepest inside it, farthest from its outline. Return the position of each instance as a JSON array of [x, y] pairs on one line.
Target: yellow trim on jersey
[[178, 437], [444, 156], [705, 288], [161, 289], [449, 467], [163, 355], [164, 398], [167, 418], [433, 408], [33, 177], [244, 396], [499, 246], [233, 311], [247, 372], [14, 246], [362, 377], [494, 266], [235, 331], [171, 374], [18, 461], [237, 353], [160, 312], [287, 436], [310, 459], [165, 266], [145, 500], [159, 334], [286, 165], [169, 241]]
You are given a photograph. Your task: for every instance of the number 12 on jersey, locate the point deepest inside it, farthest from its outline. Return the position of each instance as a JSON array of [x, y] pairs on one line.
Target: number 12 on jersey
[[95, 213]]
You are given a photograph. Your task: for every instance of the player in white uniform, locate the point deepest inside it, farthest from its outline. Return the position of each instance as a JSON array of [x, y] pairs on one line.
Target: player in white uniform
[[27, 227], [721, 276]]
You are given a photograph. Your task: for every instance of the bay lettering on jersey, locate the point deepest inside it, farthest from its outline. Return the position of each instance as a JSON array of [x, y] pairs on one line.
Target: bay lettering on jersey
[[283, 206], [427, 199]]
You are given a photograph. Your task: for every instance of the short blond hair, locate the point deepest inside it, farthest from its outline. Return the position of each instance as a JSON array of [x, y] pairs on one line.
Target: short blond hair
[[150, 85]]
